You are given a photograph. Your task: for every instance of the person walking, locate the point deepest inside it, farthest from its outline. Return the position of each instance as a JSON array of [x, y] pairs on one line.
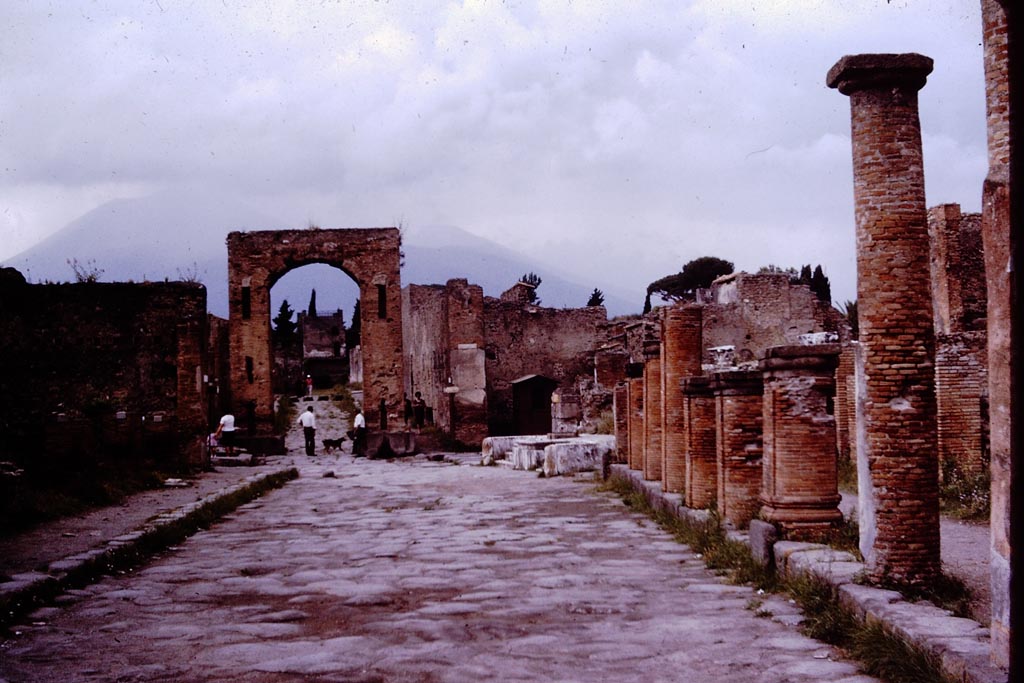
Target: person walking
[[359, 434], [225, 434], [308, 422]]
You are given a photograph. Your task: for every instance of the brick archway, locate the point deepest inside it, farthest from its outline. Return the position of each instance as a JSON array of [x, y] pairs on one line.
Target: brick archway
[[257, 260]]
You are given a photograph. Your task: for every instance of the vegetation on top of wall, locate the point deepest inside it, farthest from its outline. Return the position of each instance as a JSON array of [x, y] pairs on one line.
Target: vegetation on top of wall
[[682, 286], [596, 298]]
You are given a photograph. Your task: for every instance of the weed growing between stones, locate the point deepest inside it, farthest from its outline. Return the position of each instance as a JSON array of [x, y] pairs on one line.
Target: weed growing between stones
[[847, 475], [944, 591]]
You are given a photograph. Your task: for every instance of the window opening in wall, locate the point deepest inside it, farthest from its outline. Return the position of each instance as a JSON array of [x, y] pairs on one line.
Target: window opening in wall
[[382, 302], [249, 369], [383, 415]]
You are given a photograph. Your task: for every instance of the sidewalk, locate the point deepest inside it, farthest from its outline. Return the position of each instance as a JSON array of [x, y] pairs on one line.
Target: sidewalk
[[40, 563]]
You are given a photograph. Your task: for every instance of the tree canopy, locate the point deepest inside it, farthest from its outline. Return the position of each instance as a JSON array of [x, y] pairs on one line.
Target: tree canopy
[[284, 326], [682, 286], [532, 278], [596, 298]]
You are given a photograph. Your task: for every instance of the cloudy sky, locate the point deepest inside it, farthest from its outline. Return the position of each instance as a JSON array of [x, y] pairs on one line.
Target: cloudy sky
[[616, 140]]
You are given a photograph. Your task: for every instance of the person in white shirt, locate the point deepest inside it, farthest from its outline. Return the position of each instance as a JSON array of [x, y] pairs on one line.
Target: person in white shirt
[[225, 434], [308, 422], [359, 437]]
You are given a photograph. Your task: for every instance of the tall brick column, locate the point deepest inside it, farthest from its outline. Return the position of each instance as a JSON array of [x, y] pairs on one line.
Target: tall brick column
[[652, 410], [738, 420], [701, 484], [800, 491], [901, 542], [1003, 335], [620, 409], [680, 353], [635, 372]]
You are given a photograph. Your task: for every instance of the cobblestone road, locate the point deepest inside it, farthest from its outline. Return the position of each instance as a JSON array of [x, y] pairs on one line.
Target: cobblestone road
[[421, 571]]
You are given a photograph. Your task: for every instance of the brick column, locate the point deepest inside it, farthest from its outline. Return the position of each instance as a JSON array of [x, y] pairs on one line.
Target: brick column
[[738, 419], [701, 484], [635, 371], [895, 314], [620, 408], [681, 352], [800, 492], [844, 403], [1002, 335], [652, 410]]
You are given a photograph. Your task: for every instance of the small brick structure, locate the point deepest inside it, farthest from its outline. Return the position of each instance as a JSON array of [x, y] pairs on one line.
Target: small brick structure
[[256, 260], [738, 423], [681, 355], [846, 401], [900, 540], [620, 408], [701, 469], [652, 410], [800, 491]]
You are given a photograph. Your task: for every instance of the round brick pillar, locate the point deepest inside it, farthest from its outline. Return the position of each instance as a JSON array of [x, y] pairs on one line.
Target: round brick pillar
[[895, 311], [800, 490], [701, 484], [738, 417], [681, 343], [652, 410]]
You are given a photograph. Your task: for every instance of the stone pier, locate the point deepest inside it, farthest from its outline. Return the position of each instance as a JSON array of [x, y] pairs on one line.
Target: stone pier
[[620, 409], [652, 410], [1003, 328], [680, 353], [636, 415], [701, 456], [738, 420], [800, 492], [895, 314]]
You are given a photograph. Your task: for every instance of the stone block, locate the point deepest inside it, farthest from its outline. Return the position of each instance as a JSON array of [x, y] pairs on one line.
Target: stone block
[[762, 537]]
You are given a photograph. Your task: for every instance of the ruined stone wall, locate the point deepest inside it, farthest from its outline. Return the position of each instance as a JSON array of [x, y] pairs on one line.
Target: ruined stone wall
[[620, 408], [755, 312], [957, 269], [104, 368], [522, 340], [425, 347], [961, 393]]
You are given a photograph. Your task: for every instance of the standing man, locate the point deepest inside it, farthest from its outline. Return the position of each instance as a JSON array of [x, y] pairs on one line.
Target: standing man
[[359, 438], [308, 422], [419, 410], [225, 434], [309, 385]]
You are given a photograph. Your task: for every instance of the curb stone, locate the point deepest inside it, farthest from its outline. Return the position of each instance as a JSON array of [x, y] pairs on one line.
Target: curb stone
[[30, 590]]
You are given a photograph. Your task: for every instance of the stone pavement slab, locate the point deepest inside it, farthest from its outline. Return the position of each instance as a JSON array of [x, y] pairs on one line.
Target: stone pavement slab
[[414, 570]]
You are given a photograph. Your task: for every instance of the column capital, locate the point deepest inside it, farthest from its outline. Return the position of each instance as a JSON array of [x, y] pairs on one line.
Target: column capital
[[853, 73]]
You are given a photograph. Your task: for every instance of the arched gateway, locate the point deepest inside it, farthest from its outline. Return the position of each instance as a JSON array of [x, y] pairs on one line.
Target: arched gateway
[[257, 260]]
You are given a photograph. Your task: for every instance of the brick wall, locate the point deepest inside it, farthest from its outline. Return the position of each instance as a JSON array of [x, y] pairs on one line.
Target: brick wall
[[738, 424], [101, 369], [701, 485], [522, 340], [636, 423], [957, 269], [800, 484], [681, 356], [755, 312], [845, 403], [652, 412], [961, 393]]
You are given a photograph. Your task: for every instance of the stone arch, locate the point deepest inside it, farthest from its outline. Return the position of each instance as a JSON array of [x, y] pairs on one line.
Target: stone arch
[[257, 260]]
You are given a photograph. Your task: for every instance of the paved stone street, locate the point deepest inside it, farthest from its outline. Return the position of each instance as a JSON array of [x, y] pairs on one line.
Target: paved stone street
[[420, 571]]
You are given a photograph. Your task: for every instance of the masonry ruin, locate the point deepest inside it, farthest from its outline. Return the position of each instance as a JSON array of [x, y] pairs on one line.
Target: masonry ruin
[[256, 260]]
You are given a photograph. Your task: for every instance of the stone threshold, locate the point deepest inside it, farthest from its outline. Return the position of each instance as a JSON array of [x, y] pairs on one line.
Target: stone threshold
[[962, 645], [29, 590]]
